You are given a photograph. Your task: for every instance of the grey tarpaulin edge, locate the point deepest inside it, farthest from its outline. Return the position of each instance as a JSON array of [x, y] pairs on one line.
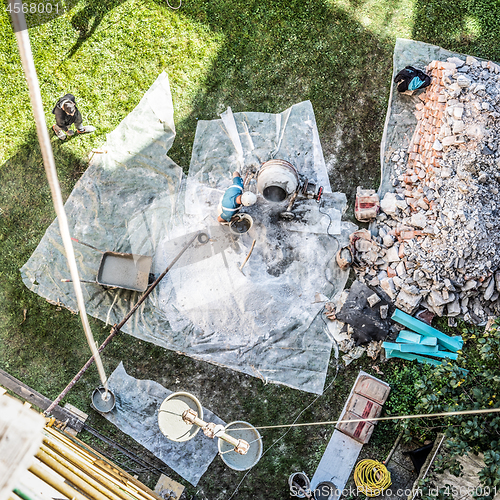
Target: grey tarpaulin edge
[[136, 414]]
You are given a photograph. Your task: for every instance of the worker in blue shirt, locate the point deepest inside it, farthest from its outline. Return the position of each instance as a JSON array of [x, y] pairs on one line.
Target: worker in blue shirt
[[234, 198]]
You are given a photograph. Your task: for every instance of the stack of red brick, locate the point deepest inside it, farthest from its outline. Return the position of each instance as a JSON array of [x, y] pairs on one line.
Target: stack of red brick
[[423, 157]]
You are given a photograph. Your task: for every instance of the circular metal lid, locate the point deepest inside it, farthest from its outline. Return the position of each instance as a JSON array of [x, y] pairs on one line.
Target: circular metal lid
[[251, 435], [101, 401], [170, 419], [326, 490]]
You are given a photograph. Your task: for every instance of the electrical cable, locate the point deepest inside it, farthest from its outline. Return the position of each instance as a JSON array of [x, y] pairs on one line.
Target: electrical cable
[[331, 236], [175, 8], [281, 437], [380, 419], [124, 451], [327, 267], [371, 477]]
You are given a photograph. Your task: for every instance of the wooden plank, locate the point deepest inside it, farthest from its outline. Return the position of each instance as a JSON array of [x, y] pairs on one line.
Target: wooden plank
[[36, 399], [451, 343], [76, 412], [20, 436], [445, 354], [410, 357], [414, 348], [406, 336], [429, 341], [419, 349], [166, 486]]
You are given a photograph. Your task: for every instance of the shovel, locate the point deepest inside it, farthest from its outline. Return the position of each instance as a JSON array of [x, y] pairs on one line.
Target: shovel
[[247, 257]]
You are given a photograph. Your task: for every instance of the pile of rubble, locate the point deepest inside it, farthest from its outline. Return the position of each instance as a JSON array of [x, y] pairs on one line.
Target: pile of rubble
[[439, 231]]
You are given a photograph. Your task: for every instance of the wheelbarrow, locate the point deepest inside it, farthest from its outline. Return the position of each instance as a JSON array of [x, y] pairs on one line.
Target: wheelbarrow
[[121, 270]]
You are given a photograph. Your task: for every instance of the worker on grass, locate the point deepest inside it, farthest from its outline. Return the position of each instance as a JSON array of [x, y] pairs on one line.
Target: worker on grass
[[234, 198], [66, 114]]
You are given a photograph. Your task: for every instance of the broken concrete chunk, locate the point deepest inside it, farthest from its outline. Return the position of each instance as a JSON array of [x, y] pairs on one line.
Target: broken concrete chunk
[[418, 220], [362, 245], [388, 240], [475, 131], [489, 290], [422, 204], [370, 257], [456, 61], [435, 299], [458, 111], [453, 308], [388, 287], [384, 310], [388, 204], [458, 126], [373, 299], [445, 172], [437, 145], [449, 285], [448, 141], [469, 285], [401, 204], [438, 310], [463, 81], [401, 270], [392, 254], [408, 302], [398, 282]]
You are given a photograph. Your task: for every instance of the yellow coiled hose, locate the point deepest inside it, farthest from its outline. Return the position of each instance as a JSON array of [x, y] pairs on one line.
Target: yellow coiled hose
[[371, 477]]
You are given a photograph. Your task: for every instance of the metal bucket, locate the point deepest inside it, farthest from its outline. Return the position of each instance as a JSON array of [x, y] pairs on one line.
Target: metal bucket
[[326, 490], [170, 418], [277, 179], [299, 481], [251, 435], [241, 224], [99, 403]]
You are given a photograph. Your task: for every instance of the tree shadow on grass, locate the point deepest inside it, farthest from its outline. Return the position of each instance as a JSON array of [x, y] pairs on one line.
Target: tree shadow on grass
[[88, 19], [278, 53], [467, 26]]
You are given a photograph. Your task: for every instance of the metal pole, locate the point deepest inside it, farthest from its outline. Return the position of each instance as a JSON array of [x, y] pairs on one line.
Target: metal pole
[[393, 449], [61, 468], [23, 43], [55, 481], [117, 327], [84, 473]]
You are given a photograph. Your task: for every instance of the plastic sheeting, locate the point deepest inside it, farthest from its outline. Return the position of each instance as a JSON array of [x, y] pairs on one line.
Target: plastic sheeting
[[400, 121], [136, 413], [133, 198]]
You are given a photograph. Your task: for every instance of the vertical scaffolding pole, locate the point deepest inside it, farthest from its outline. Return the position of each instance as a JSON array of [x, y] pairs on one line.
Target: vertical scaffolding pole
[[24, 46]]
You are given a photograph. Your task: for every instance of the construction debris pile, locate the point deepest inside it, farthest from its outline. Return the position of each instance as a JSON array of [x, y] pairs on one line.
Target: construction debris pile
[[438, 233]]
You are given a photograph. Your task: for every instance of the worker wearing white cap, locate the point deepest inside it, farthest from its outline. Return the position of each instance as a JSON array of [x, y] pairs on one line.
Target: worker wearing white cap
[[234, 198]]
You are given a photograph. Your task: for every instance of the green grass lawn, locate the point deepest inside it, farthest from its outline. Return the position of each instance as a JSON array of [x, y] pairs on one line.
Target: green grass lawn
[[253, 56]]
